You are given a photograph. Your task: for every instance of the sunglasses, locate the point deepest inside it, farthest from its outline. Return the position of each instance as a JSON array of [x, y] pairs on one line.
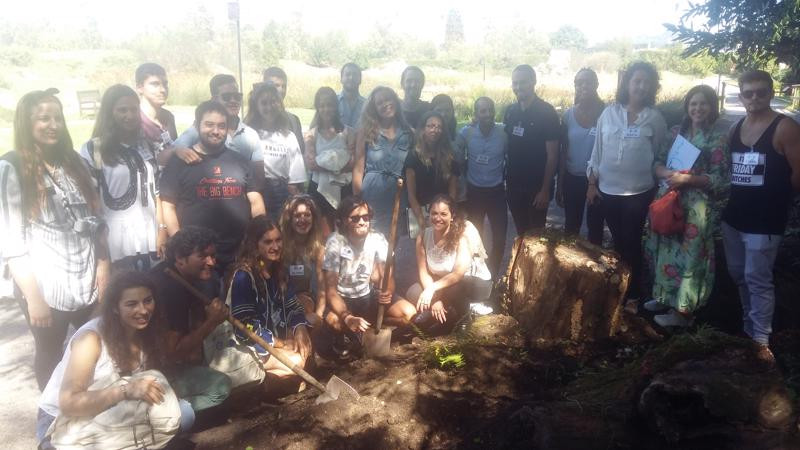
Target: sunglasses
[[231, 96], [357, 219], [760, 93]]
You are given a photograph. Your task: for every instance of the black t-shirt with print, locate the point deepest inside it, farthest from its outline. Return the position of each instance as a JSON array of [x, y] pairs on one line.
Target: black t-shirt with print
[[212, 194], [429, 180], [527, 132]]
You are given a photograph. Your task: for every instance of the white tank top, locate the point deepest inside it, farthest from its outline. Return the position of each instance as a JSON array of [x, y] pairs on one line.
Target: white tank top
[[441, 262]]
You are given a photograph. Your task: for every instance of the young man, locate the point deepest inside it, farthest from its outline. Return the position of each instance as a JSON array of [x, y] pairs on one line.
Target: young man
[[158, 124], [191, 253], [354, 266], [484, 145], [412, 81], [350, 100], [218, 192], [532, 127], [765, 154], [277, 77]]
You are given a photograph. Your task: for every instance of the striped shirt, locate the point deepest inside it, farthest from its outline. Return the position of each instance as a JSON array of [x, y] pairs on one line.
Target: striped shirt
[[64, 259]]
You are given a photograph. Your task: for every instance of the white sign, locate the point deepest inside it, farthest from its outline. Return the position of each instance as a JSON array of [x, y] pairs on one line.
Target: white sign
[[682, 155]]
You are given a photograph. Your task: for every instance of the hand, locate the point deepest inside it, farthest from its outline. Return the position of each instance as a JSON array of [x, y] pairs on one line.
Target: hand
[[302, 341], [438, 311], [560, 195], [542, 199], [385, 297], [187, 155], [356, 323], [161, 243], [593, 194], [425, 298], [216, 312], [678, 180], [39, 313], [147, 389]]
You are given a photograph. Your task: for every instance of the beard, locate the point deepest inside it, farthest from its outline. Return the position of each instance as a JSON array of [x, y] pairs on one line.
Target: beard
[[211, 147]]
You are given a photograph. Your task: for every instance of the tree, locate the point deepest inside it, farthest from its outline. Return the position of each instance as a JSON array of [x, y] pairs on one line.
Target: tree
[[568, 37], [752, 33], [454, 29]]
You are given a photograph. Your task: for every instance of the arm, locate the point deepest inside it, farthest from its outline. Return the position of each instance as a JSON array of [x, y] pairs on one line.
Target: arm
[[350, 140], [788, 142], [162, 236], [257, 207], [186, 155], [358, 162], [181, 347], [462, 264], [170, 217], [244, 308], [22, 271], [338, 307], [102, 270], [311, 152], [411, 184], [452, 186], [319, 309], [542, 198], [425, 279], [562, 171]]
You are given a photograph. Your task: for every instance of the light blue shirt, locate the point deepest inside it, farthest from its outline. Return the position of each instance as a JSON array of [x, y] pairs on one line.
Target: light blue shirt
[[350, 114], [485, 155], [244, 141], [581, 142]]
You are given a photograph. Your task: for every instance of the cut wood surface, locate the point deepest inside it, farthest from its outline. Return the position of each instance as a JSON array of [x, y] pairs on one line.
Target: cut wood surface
[[565, 289]]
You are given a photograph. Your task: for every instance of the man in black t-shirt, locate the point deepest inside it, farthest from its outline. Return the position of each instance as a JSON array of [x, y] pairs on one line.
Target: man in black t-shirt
[[218, 192], [191, 253], [532, 126]]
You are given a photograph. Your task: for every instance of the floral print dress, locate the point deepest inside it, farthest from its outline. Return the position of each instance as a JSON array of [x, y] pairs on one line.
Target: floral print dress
[[682, 265]]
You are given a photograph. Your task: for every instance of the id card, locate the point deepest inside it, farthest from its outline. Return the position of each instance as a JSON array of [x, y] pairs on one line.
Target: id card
[[518, 131], [482, 159], [297, 270], [593, 131], [166, 138], [632, 132], [346, 253], [750, 158]]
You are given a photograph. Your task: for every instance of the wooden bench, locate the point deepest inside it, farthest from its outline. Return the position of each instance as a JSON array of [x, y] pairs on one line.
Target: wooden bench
[[89, 103]]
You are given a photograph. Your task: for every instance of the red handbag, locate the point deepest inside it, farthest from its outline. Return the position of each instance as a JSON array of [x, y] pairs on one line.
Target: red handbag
[[666, 214]]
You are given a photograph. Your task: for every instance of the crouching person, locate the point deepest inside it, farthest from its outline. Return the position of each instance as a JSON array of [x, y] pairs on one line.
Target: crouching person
[[453, 275], [106, 391], [263, 299], [191, 253], [353, 264]]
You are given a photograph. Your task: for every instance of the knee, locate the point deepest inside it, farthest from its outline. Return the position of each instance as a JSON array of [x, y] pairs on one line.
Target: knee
[[758, 279], [219, 386]]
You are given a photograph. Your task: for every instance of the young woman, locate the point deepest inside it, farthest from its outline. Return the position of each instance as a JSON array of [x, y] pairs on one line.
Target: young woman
[[124, 168], [682, 265], [630, 133], [284, 169], [443, 104], [303, 242], [580, 126], [382, 145], [431, 168], [452, 265], [263, 297], [329, 155], [124, 341], [54, 244]]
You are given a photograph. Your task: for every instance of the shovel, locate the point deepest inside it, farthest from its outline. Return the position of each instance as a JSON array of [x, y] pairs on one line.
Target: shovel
[[377, 340], [330, 392]]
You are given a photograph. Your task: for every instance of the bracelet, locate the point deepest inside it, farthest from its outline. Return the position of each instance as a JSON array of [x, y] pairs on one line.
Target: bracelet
[[124, 389], [162, 226], [344, 315]]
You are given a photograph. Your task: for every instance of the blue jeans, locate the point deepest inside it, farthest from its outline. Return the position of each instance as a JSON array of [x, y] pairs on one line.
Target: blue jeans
[[750, 259]]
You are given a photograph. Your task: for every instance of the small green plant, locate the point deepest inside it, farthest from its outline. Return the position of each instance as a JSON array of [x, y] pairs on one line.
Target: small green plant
[[445, 356]]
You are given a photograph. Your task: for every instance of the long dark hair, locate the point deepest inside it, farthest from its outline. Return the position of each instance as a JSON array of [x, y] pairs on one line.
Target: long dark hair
[[457, 227], [111, 327], [441, 155], [321, 94], [254, 118], [623, 93], [713, 101], [105, 127], [34, 193], [295, 248], [250, 260]]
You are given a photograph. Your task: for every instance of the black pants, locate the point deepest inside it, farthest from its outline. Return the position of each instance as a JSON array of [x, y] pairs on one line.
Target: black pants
[[625, 215], [49, 341], [491, 202], [574, 201], [525, 216]]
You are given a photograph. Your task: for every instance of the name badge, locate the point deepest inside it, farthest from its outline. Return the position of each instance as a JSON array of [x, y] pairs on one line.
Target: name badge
[[297, 270], [346, 253], [166, 138], [482, 159], [632, 132], [593, 131], [518, 131], [750, 158]]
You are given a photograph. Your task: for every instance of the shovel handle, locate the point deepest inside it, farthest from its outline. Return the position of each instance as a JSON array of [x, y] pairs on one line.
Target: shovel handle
[[250, 334], [387, 270]]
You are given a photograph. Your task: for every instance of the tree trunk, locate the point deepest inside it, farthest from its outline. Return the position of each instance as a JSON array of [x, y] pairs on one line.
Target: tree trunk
[[561, 289]]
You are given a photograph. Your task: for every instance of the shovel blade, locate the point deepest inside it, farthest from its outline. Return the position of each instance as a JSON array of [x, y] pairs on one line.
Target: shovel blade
[[377, 344], [336, 388]]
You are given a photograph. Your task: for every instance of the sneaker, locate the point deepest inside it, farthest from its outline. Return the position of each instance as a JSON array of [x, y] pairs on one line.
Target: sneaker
[[765, 355], [672, 319], [480, 309], [654, 305]]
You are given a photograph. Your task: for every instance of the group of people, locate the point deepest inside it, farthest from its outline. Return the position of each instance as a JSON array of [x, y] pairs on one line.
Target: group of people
[[287, 232]]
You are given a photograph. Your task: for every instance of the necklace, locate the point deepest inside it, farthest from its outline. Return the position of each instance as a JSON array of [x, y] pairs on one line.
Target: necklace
[[136, 170]]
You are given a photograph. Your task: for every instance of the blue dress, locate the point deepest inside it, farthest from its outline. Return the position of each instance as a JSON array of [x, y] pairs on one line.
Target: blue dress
[[385, 160]]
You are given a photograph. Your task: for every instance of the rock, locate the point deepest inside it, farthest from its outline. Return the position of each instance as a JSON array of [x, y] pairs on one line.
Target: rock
[[496, 329]]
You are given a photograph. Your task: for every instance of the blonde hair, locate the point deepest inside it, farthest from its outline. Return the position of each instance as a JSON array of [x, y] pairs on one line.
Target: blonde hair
[[294, 247]]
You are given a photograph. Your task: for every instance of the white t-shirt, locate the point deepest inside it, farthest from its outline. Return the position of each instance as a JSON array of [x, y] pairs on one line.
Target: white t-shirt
[[282, 157], [354, 265]]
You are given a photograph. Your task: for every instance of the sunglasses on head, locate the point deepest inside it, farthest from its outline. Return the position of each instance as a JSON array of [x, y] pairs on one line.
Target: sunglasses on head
[[231, 96], [760, 93], [359, 218]]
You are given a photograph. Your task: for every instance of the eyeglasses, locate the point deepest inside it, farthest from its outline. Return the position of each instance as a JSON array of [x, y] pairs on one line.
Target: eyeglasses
[[760, 93], [231, 96], [357, 219]]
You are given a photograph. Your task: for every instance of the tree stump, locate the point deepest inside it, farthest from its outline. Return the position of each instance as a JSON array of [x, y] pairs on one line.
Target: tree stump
[[565, 289]]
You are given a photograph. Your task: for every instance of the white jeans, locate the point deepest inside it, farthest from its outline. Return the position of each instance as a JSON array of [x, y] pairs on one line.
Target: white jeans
[[750, 259]]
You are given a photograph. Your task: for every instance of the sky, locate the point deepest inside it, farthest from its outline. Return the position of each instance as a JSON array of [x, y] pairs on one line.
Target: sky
[[599, 20]]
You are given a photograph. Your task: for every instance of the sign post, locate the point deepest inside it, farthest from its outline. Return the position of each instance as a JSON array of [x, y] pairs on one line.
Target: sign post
[[233, 14]]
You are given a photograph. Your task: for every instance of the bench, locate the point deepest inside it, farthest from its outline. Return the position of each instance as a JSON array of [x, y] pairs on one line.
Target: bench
[[89, 103]]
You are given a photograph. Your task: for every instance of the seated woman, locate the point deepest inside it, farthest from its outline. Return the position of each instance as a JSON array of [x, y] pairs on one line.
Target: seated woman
[[301, 226], [353, 265], [263, 298], [452, 269], [123, 341]]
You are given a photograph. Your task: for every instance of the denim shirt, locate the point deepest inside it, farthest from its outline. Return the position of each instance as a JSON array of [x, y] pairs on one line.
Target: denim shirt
[[350, 114]]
